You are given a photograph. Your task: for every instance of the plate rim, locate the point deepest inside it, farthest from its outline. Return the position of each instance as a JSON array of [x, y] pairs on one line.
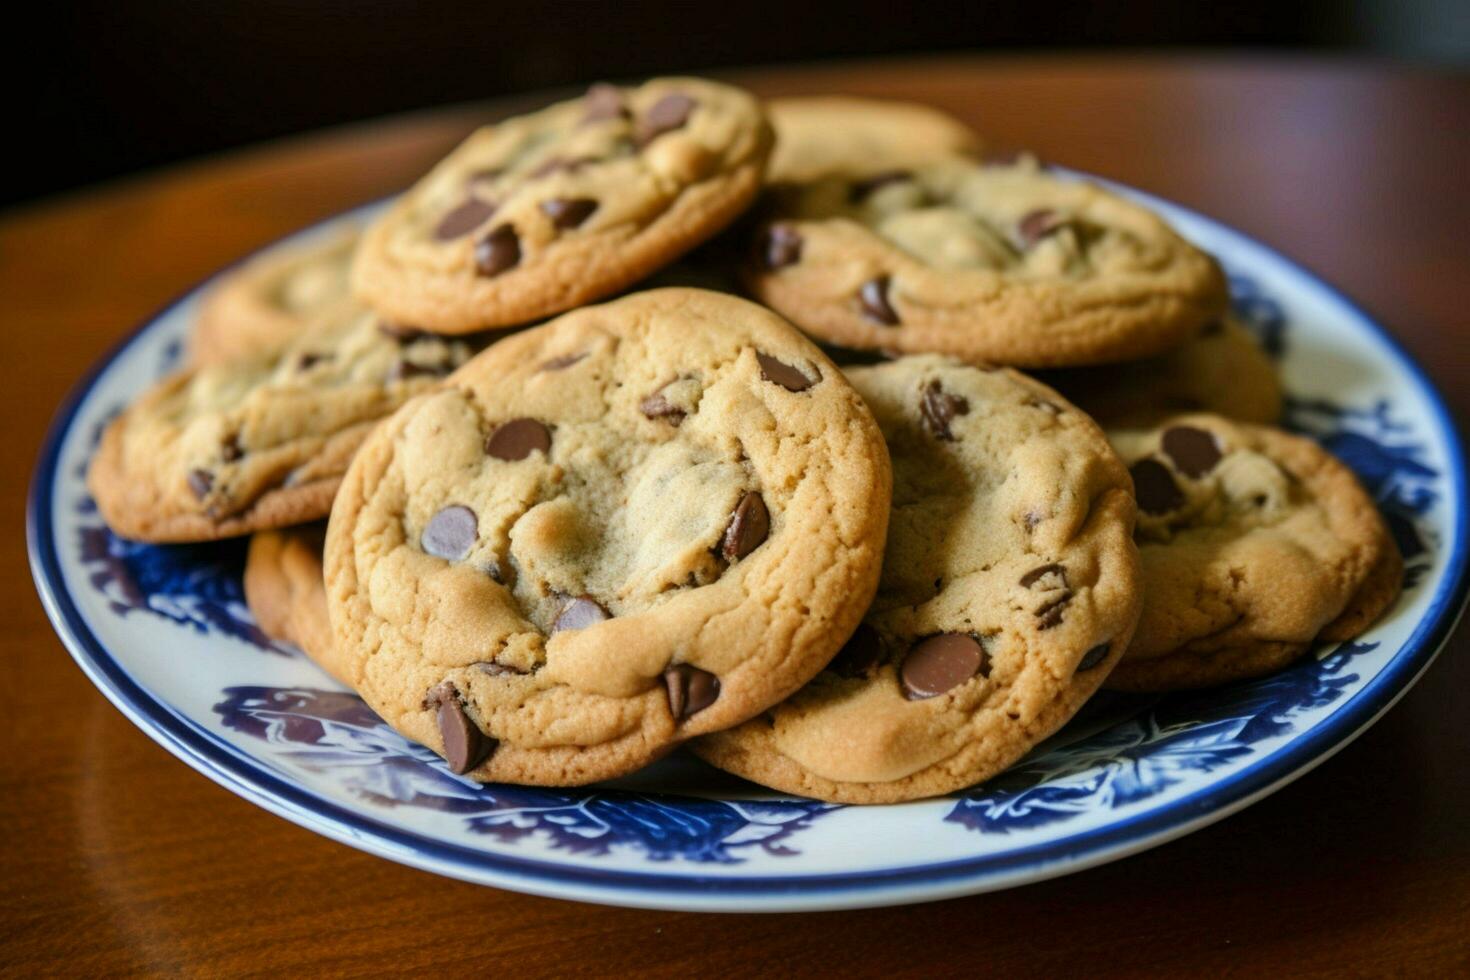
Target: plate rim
[[243, 775]]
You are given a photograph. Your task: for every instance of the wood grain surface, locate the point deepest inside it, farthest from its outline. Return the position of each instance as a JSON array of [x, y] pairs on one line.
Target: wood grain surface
[[116, 858]]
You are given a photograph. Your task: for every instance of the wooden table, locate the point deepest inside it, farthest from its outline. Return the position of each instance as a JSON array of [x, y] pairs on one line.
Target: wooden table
[[117, 858]]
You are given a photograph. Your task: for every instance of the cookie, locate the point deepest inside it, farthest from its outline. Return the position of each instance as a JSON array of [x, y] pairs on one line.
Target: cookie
[[1222, 371], [1008, 264], [229, 449], [640, 522], [817, 136], [1255, 544], [286, 594], [1009, 590], [266, 303], [544, 212]]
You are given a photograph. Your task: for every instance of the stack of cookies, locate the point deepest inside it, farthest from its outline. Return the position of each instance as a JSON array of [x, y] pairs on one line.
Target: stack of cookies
[[828, 535]]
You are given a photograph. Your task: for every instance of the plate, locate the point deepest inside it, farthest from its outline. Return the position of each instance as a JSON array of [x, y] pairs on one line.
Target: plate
[[164, 633]]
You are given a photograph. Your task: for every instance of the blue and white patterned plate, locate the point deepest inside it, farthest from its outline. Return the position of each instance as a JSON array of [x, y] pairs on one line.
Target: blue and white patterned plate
[[163, 632]]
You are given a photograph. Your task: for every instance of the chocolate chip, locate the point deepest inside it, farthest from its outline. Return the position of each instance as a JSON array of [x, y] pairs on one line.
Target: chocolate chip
[[1050, 613], [667, 114], [1037, 574], [941, 663], [1093, 657], [860, 654], [498, 251], [1155, 488], [783, 374], [874, 299], [748, 527], [861, 190], [201, 482], [579, 613], [230, 450], [780, 246], [404, 335], [518, 439], [938, 408], [561, 363], [691, 690], [465, 746], [656, 406], [451, 533], [463, 219], [603, 101], [305, 360], [498, 670], [568, 212], [1036, 225], [403, 369], [1194, 452]]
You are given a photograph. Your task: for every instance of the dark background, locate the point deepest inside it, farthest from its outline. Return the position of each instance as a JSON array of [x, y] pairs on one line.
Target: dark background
[[104, 89]]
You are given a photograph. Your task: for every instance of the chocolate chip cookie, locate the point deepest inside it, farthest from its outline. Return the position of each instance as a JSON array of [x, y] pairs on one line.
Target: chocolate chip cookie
[[544, 212], [286, 594], [641, 522], [266, 303], [1010, 588], [818, 136], [1223, 371], [1255, 544], [229, 449], [1009, 264]]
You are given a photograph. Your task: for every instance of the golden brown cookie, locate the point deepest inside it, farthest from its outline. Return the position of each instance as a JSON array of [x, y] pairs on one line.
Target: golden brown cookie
[[1255, 545], [1007, 264], [244, 446], [287, 596], [545, 212], [266, 303], [1009, 590], [821, 135], [640, 522]]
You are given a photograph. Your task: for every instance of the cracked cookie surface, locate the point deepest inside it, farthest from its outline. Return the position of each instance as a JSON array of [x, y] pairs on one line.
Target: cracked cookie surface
[[1008, 264], [229, 449], [286, 594], [547, 211], [1223, 371], [1255, 544], [820, 135], [1009, 590], [638, 523], [266, 303]]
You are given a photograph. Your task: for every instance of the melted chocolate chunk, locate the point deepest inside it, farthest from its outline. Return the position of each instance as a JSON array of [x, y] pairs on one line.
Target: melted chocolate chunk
[[1093, 657], [1031, 578], [874, 300], [465, 746], [404, 369], [579, 613], [1050, 613], [463, 219], [941, 663], [783, 374], [498, 251], [201, 482], [1155, 488], [656, 406], [691, 690], [1194, 452], [780, 246], [860, 654], [938, 408], [1036, 225], [568, 212], [518, 439], [451, 533], [863, 189], [749, 526], [230, 450], [667, 114], [498, 670], [305, 360], [603, 101]]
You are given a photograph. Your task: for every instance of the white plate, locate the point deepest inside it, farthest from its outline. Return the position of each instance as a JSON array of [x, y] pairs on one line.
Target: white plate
[[163, 632]]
